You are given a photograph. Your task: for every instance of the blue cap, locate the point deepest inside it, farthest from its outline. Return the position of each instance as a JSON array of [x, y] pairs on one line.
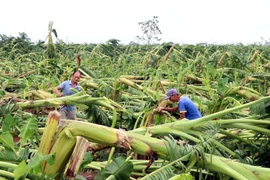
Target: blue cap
[[170, 93]]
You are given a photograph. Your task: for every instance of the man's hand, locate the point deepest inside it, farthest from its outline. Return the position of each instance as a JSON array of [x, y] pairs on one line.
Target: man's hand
[[56, 90], [159, 109]]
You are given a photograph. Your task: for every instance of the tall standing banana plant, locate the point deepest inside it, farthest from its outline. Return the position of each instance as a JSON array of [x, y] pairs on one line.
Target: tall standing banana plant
[[51, 51]]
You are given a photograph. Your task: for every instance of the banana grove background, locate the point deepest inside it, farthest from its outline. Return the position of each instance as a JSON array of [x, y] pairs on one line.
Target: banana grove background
[[119, 135]]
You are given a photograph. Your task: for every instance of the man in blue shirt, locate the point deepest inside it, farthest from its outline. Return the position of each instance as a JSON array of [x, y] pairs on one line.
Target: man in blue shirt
[[186, 107], [68, 111]]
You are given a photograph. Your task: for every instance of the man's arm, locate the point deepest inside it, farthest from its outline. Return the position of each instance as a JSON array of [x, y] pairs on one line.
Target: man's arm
[[182, 115], [169, 109], [56, 90]]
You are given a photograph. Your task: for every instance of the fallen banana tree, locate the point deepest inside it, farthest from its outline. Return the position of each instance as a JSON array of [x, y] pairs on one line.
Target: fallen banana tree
[[190, 130], [78, 98], [137, 142]]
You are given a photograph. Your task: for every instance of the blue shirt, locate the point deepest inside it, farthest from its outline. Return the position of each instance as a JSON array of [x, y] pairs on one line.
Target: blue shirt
[[66, 91], [190, 109]]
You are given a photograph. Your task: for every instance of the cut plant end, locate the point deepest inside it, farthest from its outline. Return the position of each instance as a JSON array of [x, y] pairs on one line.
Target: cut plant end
[[76, 157], [63, 146], [122, 139], [48, 134]]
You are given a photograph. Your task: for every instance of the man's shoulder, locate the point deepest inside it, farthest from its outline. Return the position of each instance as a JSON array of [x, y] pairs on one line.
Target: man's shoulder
[[184, 98], [66, 82]]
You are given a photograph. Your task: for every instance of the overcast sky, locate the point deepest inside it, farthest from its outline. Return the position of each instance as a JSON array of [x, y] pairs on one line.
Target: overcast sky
[[180, 21]]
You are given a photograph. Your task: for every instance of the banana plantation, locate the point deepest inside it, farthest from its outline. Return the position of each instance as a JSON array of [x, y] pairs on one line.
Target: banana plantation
[[118, 133]]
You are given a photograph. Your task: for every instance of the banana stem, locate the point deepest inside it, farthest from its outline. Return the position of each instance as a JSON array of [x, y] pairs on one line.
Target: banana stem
[[76, 157]]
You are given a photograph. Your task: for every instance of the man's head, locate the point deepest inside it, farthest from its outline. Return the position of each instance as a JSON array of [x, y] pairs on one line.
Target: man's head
[[76, 75], [172, 95]]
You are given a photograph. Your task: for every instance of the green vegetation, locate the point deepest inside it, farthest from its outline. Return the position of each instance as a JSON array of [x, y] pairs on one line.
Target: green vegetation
[[118, 132]]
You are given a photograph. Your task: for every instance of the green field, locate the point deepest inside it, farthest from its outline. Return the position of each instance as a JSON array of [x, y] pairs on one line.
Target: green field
[[118, 133]]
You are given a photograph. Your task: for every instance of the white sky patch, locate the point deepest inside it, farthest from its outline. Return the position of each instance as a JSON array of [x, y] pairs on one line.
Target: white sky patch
[[180, 21]]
